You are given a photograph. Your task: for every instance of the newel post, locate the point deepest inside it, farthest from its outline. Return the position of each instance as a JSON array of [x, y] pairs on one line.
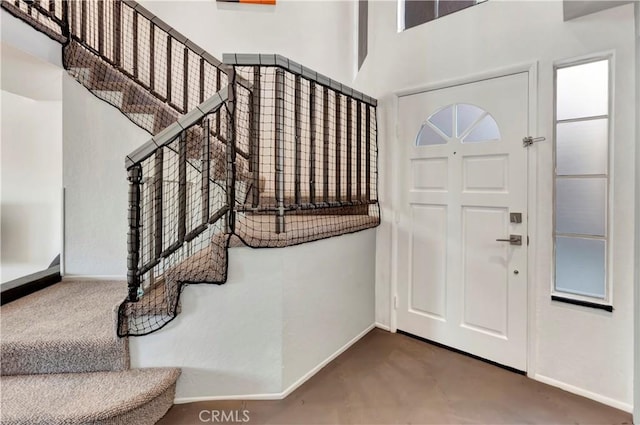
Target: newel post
[[133, 236]]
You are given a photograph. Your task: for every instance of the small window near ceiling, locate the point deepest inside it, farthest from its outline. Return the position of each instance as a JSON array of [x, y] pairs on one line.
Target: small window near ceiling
[[412, 13], [581, 226], [464, 122]]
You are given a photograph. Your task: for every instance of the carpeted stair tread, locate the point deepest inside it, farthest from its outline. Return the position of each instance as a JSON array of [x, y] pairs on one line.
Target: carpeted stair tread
[[67, 327], [136, 397]]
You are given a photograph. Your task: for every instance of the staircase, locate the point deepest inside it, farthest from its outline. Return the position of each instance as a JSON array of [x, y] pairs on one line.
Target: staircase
[[62, 362], [256, 150], [113, 87]]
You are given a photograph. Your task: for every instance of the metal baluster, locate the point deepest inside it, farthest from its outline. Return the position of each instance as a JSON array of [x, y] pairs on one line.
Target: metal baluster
[[359, 151], [254, 146], [338, 158], [279, 150], [152, 60], [312, 142], [325, 144], [185, 85], [157, 202], [349, 148], [297, 161], [367, 168], [182, 187]]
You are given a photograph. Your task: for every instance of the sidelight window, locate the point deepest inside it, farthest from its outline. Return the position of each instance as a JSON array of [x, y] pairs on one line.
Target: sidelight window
[[581, 226]]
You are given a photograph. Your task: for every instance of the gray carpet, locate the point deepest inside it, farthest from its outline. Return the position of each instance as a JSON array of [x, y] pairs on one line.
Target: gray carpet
[[62, 362], [136, 397], [67, 327]]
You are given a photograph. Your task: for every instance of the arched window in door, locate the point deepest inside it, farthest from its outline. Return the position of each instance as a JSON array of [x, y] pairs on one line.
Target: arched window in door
[[463, 121]]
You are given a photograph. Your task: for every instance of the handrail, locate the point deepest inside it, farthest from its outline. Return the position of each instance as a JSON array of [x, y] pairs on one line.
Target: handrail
[[167, 135]]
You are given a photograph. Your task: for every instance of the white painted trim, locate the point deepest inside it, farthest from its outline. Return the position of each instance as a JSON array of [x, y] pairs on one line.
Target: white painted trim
[[584, 393], [291, 388], [382, 326], [532, 212], [532, 191], [395, 220], [74, 277], [62, 233], [481, 76], [608, 55], [325, 362], [268, 396]]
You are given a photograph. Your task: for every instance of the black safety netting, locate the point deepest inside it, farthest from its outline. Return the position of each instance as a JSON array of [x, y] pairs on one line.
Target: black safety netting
[[281, 159], [130, 59], [284, 161]]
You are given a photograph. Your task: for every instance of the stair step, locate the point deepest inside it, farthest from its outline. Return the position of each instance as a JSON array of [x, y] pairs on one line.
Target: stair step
[[67, 327], [138, 396], [120, 86], [113, 97], [83, 75], [143, 120]]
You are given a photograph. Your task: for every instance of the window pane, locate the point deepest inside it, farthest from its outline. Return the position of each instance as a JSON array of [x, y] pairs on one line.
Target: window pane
[[450, 6], [582, 147], [443, 120], [418, 12], [428, 136], [581, 205], [583, 90], [580, 266], [485, 130], [466, 115]]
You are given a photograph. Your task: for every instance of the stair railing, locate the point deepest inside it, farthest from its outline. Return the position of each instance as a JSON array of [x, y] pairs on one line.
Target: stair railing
[[311, 140], [289, 140], [148, 51], [167, 222], [47, 16], [136, 43]]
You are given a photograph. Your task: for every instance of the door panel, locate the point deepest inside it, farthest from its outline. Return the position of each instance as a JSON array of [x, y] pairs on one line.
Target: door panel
[[485, 279], [429, 260], [457, 285]]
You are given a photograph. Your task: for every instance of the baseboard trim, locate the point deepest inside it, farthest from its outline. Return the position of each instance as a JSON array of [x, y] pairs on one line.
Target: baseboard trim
[[75, 277], [26, 285], [288, 390], [383, 327], [329, 359], [584, 393]]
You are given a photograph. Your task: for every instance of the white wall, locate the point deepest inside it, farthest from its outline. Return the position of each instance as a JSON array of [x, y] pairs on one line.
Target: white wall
[[18, 34], [579, 349], [31, 184], [97, 137], [31, 170], [281, 315], [317, 34], [328, 299]]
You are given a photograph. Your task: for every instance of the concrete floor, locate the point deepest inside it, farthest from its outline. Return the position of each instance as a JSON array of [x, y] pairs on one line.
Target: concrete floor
[[394, 379]]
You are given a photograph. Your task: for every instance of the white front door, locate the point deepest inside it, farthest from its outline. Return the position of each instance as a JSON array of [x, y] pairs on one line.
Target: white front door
[[466, 173]]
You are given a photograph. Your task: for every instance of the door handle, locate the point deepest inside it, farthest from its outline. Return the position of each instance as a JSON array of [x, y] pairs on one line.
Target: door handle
[[513, 240]]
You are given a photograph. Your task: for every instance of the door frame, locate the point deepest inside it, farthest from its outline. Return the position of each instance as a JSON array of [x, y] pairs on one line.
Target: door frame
[[532, 189]]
